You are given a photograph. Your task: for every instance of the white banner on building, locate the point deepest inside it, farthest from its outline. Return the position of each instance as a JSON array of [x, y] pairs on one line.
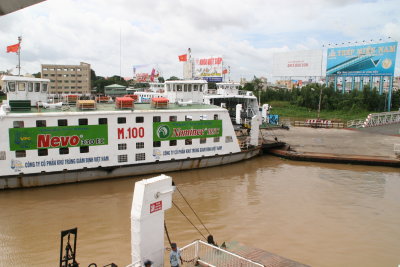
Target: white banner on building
[[298, 63]]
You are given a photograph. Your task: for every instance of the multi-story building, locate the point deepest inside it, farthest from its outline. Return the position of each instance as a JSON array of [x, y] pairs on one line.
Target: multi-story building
[[68, 79]]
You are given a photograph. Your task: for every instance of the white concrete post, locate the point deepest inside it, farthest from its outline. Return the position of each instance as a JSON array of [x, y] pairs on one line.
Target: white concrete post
[[151, 198]]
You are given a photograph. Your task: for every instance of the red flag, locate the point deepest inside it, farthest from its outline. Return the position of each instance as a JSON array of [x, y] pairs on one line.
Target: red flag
[[13, 48], [183, 57], [225, 71]]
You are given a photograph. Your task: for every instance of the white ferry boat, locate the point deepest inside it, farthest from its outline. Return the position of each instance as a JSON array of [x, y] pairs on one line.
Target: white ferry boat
[[86, 140], [242, 105]]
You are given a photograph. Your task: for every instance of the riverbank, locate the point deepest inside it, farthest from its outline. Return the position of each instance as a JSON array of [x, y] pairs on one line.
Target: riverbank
[[336, 141], [286, 110]]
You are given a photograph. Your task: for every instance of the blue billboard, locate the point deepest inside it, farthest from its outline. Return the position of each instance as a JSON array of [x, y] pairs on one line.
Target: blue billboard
[[363, 60]]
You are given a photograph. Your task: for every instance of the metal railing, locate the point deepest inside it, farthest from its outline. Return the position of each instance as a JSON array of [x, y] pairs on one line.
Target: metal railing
[[356, 123], [377, 119], [199, 252], [319, 124]]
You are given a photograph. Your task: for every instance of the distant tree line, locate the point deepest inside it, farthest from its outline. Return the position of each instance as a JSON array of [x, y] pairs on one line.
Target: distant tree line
[[308, 96]]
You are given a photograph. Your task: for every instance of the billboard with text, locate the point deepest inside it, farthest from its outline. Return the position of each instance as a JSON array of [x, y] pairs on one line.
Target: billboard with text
[[209, 68], [298, 64], [363, 60]]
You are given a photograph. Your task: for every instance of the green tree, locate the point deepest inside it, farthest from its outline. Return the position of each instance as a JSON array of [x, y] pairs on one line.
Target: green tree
[[161, 80], [37, 75], [173, 78]]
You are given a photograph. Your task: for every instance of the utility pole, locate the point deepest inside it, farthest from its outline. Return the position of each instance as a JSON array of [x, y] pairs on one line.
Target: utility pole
[[19, 55], [319, 103]]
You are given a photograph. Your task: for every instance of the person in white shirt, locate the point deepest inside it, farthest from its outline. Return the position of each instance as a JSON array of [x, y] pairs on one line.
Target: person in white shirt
[[175, 256]]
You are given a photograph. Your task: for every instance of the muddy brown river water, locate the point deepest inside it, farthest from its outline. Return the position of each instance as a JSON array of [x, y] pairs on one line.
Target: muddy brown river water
[[317, 214]]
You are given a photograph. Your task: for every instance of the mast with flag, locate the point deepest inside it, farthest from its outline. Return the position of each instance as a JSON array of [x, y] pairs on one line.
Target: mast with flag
[[16, 48]]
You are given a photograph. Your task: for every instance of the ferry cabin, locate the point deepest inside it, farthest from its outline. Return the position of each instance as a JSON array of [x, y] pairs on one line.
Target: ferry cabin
[[242, 105], [39, 141]]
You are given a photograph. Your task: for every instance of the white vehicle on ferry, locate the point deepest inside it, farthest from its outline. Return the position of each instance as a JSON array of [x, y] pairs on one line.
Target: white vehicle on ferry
[[86, 140]]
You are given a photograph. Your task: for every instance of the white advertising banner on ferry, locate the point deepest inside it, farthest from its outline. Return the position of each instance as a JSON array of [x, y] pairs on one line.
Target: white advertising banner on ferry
[[298, 64], [208, 68]]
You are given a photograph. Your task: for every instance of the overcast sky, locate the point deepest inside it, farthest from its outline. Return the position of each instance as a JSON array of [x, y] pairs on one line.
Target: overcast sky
[[154, 33]]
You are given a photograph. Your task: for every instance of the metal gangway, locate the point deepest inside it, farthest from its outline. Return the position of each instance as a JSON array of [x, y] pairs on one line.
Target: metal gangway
[[376, 119], [200, 253]]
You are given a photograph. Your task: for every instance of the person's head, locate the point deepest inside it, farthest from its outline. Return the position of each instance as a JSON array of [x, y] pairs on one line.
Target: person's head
[[173, 246], [148, 263]]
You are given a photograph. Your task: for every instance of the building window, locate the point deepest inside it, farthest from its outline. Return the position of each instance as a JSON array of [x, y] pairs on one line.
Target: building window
[[203, 117], [11, 86], [84, 149], [172, 142], [21, 86], [203, 140], [122, 146], [140, 145], [139, 119], [40, 123], [157, 119], [37, 87], [140, 156], [121, 120], [83, 121], [157, 144], [172, 118], [20, 153], [64, 150], [62, 122], [216, 139], [215, 116], [228, 139], [30, 87], [188, 142], [122, 158], [18, 124], [102, 120], [43, 152], [188, 118]]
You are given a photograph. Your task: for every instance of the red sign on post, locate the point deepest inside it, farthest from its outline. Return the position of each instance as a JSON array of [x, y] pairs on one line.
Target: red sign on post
[[156, 206]]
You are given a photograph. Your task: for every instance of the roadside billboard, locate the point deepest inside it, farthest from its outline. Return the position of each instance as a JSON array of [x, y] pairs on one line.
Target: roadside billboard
[[297, 63], [363, 60], [209, 69]]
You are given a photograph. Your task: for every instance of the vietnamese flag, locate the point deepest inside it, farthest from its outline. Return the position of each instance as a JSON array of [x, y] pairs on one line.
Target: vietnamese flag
[[183, 57], [225, 71], [13, 48]]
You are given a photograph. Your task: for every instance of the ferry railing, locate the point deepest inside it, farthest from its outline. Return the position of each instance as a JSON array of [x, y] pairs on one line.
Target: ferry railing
[[135, 264], [204, 254]]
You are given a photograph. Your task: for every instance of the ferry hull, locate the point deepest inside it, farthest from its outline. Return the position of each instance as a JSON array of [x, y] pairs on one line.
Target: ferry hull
[[91, 174]]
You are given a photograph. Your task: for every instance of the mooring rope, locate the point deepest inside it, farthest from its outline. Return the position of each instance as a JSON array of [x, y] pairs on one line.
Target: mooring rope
[[189, 221], [192, 210]]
